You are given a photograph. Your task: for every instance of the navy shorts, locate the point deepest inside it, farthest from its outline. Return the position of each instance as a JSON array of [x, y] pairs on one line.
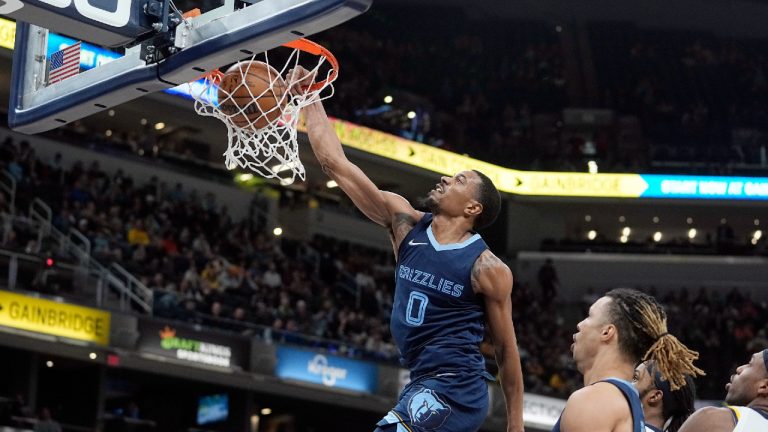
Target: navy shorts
[[450, 402]]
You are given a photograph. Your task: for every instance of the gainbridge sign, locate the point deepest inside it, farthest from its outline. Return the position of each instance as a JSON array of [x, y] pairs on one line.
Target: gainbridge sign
[[54, 318], [540, 183]]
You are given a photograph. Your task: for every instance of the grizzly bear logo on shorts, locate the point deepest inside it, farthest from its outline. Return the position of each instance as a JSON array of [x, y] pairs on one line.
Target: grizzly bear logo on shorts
[[427, 410]]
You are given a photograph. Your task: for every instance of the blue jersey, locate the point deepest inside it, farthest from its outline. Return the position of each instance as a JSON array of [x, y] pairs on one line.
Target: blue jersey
[[632, 397], [437, 319]]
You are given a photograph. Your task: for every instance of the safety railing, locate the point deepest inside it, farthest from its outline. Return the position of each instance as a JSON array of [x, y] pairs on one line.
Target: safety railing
[[8, 185], [106, 286]]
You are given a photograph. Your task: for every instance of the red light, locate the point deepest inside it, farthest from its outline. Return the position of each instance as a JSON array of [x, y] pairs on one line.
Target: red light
[[113, 360], [49, 262]]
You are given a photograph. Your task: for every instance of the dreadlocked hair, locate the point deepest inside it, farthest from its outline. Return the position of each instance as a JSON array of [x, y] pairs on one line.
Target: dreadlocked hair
[[642, 326]]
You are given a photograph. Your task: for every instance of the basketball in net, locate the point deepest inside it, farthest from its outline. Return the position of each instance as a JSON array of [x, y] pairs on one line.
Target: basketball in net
[[253, 94], [259, 103]]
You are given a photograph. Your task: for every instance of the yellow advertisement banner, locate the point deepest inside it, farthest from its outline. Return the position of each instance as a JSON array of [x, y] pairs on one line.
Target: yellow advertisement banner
[[507, 180], [7, 33], [53, 318]]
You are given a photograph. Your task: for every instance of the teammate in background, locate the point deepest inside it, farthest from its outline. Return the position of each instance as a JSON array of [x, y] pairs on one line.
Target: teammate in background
[[623, 328], [662, 405], [747, 399], [448, 286]]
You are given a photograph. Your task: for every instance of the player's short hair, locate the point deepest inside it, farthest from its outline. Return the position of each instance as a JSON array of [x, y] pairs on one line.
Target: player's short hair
[[642, 326], [490, 199]]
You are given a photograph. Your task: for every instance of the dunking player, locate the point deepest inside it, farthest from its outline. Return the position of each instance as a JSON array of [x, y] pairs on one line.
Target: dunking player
[[747, 399], [448, 285], [663, 406], [623, 328]]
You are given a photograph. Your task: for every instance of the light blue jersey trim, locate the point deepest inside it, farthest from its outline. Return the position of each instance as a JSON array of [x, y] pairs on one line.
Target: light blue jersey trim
[[450, 246]]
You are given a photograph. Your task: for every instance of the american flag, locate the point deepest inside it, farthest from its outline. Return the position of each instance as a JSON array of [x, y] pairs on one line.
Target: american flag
[[64, 63]]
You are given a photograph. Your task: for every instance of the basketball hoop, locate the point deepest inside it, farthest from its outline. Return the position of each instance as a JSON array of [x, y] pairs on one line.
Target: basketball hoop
[[261, 125]]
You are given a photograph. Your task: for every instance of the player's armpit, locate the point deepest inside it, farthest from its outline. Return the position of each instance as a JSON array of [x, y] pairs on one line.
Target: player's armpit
[[595, 408], [402, 215], [710, 419]]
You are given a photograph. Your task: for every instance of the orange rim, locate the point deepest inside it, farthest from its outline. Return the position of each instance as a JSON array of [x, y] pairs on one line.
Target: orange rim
[[302, 44], [310, 47]]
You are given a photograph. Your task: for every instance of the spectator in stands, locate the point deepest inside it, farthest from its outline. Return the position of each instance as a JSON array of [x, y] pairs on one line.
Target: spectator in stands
[[46, 423], [548, 281]]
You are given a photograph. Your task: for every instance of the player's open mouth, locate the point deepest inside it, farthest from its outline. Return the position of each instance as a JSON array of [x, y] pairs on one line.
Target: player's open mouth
[[438, 188]]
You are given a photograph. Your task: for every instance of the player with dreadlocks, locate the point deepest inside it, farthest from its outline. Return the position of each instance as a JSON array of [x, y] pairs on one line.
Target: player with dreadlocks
[[663, 406], [623, 328]]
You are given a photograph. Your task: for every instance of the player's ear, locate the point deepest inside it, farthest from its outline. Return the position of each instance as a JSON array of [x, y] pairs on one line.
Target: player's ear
[[655, 397], [473, 208], [762, 387], [609, 331]]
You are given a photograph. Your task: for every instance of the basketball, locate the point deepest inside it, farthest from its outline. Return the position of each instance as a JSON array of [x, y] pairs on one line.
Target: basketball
[[252, 93]]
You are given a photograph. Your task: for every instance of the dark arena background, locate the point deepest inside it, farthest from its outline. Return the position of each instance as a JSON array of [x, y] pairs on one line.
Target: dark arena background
[[145, 287]]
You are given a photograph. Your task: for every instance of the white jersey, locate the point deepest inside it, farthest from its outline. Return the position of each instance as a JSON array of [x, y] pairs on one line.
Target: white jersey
[[749, 420]]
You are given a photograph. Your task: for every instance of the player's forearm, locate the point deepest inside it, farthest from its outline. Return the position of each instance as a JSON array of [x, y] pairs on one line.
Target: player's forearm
[[510, 372], [322, 137]]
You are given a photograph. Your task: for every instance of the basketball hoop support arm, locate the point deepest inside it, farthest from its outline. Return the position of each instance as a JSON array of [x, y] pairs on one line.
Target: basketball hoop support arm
[[219, 37]]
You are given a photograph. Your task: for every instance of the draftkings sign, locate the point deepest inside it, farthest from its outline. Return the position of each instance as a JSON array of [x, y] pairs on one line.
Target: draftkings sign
[[54, 318], [185, 343]]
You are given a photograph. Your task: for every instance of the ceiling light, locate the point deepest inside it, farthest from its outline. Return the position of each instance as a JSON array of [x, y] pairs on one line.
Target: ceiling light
[[388, 99], [692, 233], [159, 126], [657, 236], [592, 234], [592, 167]]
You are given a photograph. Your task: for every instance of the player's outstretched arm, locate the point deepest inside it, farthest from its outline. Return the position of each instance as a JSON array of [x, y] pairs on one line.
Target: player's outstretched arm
[[709, 419], [492, 278], [384, 208]]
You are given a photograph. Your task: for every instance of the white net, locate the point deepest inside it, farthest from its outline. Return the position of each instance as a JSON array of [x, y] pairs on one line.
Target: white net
[[260, 103]]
